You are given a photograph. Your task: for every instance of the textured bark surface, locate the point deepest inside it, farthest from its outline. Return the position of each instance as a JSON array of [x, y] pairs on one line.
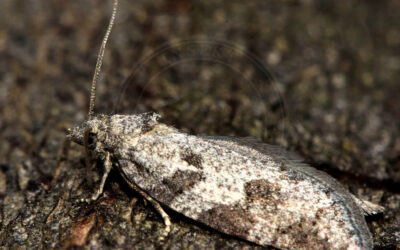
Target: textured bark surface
[[206, 67]]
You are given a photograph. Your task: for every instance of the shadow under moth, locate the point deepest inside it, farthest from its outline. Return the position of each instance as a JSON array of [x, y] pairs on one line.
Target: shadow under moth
[[239, 186]]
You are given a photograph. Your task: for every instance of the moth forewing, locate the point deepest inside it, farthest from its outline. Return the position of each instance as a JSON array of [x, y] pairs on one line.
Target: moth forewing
[[239, 189]]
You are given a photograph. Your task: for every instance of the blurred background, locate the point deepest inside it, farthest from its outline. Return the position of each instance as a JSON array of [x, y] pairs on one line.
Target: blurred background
[[317, 77]]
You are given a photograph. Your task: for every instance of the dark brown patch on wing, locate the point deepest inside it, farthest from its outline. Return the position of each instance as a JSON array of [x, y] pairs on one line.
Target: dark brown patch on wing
[[234, 220], [304, 233], [263, 195], [261, 191], [192, 159], [171, 187]]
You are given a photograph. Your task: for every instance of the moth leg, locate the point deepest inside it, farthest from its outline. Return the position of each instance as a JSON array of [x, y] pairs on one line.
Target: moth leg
[[107, 168], [164, 215], [157, 206]]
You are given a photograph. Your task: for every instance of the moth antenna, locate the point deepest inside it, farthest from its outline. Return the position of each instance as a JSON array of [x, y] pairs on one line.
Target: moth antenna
[[100, 60]]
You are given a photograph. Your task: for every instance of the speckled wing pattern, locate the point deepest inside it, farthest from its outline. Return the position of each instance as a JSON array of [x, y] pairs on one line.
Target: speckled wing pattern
[[245, 188]]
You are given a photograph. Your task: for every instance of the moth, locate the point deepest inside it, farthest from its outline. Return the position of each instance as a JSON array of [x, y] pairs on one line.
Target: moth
[[239, 186]]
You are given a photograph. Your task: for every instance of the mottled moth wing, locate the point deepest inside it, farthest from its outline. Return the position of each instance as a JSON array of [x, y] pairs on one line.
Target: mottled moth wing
[[296, 163], [246, 188], [292, 162]]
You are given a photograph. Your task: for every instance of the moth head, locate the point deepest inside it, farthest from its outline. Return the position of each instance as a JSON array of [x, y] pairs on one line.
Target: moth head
[[90, 132]]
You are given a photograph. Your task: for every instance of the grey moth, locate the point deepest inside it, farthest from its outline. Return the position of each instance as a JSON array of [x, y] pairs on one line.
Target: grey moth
[[239, 186]]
